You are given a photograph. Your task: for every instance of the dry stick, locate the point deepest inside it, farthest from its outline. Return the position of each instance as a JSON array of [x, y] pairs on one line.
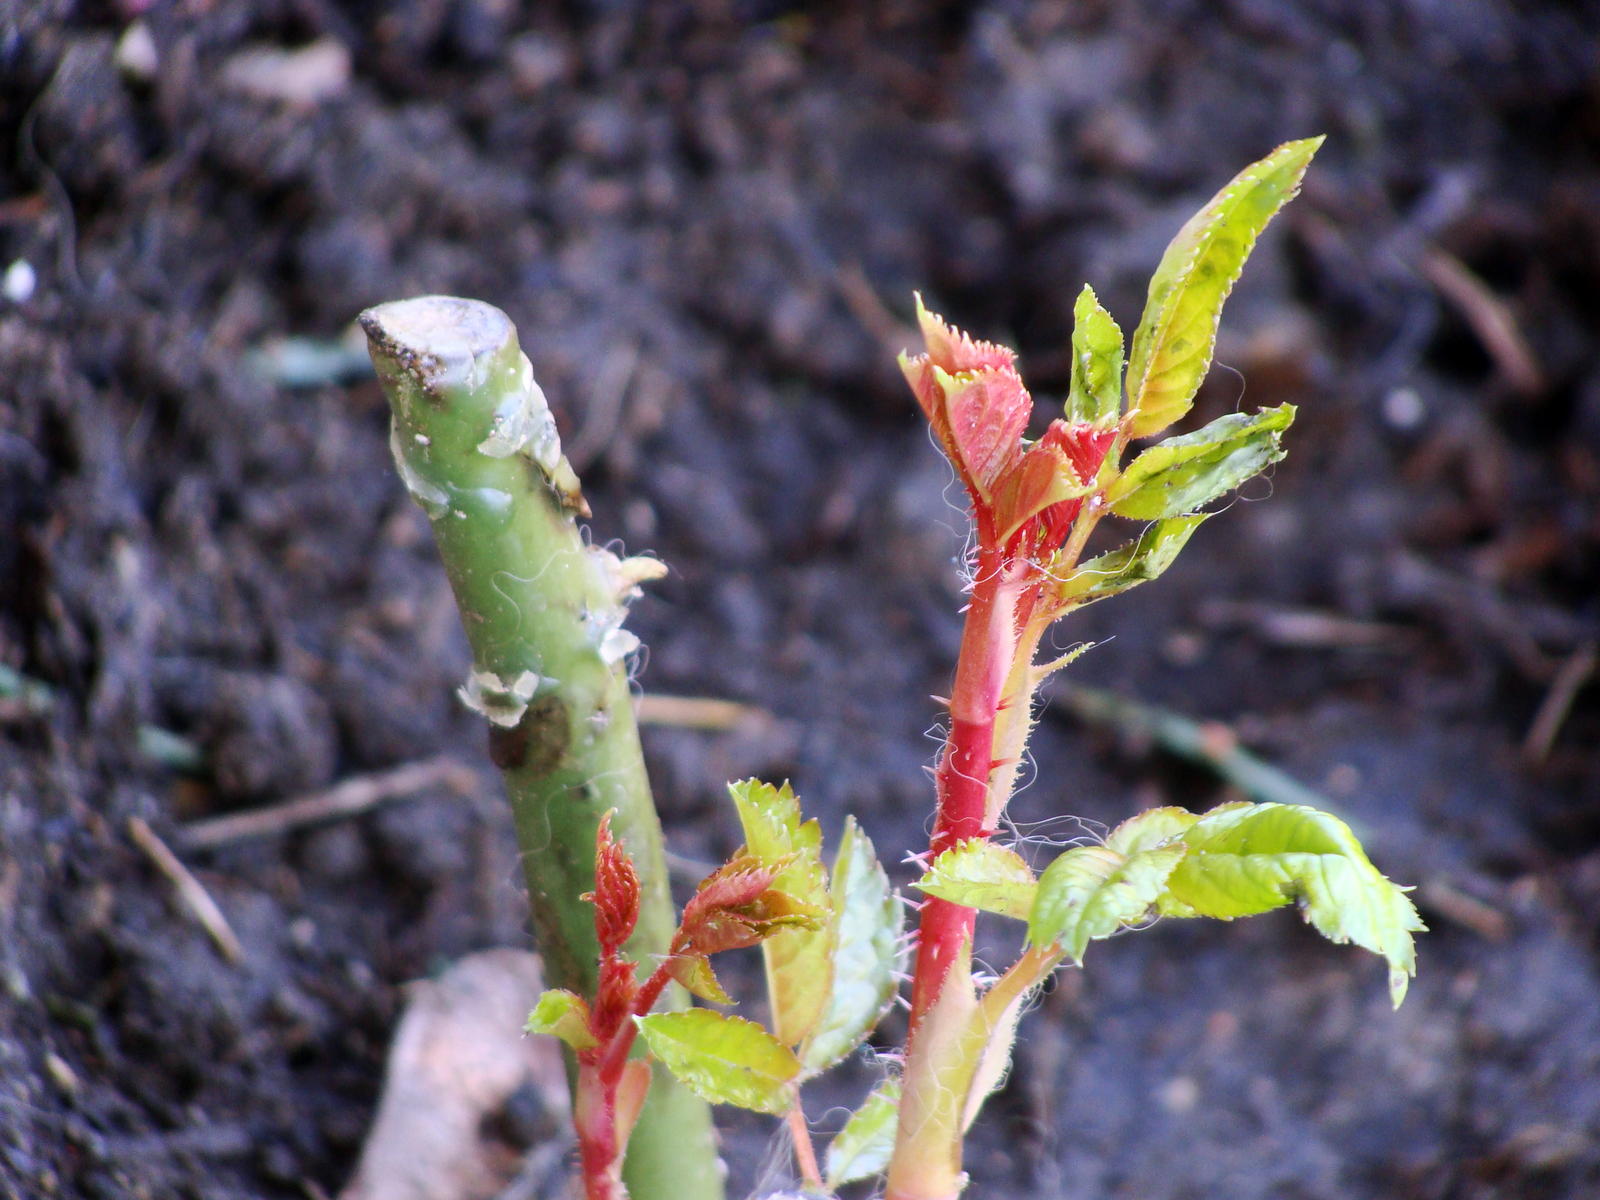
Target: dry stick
[[358, 794], [1489, 318], [698, 712], [1575, 672], [1450, 902], [193, 894], [1209, 743], [346, 799]]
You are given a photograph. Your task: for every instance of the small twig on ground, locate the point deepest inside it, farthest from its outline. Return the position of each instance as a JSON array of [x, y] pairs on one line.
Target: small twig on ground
[[1489, 317], [1575, 672], [864, 303], [1304, 627], [190, 890], [1526, 632], [353, 796], [697, 712], [1209, 743], [1451, 903]]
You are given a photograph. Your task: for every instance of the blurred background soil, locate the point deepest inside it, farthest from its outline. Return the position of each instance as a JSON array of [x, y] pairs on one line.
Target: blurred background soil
[[707, 221]]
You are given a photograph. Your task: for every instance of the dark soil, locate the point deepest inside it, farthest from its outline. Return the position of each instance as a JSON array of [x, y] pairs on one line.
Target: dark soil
[[707, 221]]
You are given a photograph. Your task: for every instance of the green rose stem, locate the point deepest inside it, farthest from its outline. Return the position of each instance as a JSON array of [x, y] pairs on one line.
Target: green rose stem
[[477, 447]]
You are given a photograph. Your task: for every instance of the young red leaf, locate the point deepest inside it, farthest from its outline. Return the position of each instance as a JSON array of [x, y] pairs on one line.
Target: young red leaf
[[716, 929], [973, 398], [1042, 484], [952, 350], [719, 915], [1084, 446], [616, 891], [987, 411], [919, 374], [1043, 491], [736, 882]]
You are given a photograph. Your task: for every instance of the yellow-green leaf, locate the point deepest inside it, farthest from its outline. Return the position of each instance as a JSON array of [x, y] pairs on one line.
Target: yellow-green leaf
[[862, 1148], [1092, 891], [1249, 858], [868, 953], [1179, 475], [694, 972], [982, 874], [799, 961], [565, 1015], [1177, 334], [1128, 566], [723, 1059], [1096, 390], [1149, 829]]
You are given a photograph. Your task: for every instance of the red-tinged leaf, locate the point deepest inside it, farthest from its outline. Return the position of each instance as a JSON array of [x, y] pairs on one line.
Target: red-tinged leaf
[[952, 350], [694, 972], [1043, 479], [718, 929], [930, 397], [616, 891], [972, 396], [987, 411], [736, 882], [715, 919], [1084, 445]]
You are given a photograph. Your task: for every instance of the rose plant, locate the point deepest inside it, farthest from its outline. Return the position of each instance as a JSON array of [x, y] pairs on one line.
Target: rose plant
[[477, 446]]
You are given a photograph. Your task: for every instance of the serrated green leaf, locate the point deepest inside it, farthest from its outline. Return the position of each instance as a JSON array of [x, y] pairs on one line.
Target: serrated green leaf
[[565, 1015], [723, 1059], [1096, 390], [861, 1150], [1149, 829], [1249, 858], [984, 875], [770, 816], [1093, 891], [1179, 475], [1128, 566], [867, 953], [1177, 334], [799, 961]]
